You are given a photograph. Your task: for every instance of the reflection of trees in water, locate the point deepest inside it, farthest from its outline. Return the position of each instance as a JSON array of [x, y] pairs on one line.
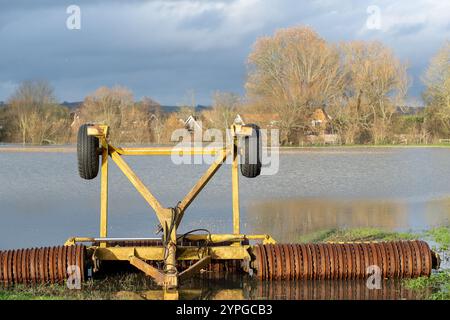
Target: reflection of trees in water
[[328, 290], [286, 220], [438, 212], [233, 286], [239, 288]]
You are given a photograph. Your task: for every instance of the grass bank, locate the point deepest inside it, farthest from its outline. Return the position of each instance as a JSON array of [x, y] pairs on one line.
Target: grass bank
[[358, 234], [112, 288]]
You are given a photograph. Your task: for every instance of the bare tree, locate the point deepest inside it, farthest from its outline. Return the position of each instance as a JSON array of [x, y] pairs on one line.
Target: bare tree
[[224, 110], [437, 94], [376, 84], [156, 118], [36, 115], [294, 72], [129, 121]]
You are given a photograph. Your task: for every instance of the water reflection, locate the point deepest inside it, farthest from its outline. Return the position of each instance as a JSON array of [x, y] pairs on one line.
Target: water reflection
[[242, 288], [287, 219]]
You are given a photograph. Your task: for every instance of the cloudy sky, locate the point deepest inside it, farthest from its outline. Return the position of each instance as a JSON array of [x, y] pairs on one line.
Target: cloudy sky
[[166, 49]]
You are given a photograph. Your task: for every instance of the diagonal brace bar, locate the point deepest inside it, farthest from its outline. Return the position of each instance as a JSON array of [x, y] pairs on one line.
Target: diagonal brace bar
[[161, 212], [149, 270], [195, 268]]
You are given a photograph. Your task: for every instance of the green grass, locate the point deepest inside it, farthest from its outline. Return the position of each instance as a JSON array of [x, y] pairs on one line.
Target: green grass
[[19, 292], [358, 234], [441, 236], [102, 289], [7, 295], [438, 282]]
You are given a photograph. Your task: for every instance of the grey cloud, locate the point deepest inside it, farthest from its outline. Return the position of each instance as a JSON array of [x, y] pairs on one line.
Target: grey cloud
[[164, 48], [408, 29]]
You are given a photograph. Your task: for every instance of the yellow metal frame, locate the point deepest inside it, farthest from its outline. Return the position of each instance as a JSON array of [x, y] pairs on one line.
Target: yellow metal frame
[[170, 218]]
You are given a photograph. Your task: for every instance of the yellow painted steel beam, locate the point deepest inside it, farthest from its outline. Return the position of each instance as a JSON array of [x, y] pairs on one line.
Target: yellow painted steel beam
[[217, 238], [235, 189], [201, 183], [74, 240], [104, 196], [162, 213], [240, 130], [124, 253], [183, 253], [98, 130], [195, 268], [149, 270], [161, 151], [170, 259], [213, 238]]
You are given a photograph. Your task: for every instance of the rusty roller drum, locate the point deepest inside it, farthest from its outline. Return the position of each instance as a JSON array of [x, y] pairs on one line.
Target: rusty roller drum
[[41, 265], [343, 261]]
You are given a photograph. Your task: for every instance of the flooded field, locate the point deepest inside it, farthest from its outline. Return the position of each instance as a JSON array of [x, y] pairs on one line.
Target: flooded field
[[43, 202]]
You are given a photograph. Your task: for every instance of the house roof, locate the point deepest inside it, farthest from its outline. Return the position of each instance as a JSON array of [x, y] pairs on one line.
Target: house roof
[[320, 115], [191, 123]]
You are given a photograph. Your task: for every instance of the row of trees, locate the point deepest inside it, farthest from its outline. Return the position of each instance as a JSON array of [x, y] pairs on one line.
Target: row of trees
[[291, 74], [437, 94], [360, 84], [33, 116]]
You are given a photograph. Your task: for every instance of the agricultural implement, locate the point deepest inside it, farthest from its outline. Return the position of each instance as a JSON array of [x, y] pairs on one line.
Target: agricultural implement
[[174, 258]]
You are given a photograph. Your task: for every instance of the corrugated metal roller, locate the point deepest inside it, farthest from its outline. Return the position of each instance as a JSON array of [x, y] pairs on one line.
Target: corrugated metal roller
[[395, 259]]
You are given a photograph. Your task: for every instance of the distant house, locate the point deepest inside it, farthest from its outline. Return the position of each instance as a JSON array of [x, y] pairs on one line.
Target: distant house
[[320, 118], [239, 120], [321, 130], [192, 124]]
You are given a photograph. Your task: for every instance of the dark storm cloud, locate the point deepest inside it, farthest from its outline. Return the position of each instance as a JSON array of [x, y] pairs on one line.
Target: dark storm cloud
[[165, 48]]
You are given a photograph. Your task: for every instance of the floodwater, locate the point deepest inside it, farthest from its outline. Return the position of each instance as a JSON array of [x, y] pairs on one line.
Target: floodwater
[[43, 201], [234, 287]]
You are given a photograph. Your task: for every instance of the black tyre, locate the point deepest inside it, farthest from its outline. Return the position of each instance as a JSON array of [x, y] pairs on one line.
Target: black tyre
[[251, 153], [88, 155]]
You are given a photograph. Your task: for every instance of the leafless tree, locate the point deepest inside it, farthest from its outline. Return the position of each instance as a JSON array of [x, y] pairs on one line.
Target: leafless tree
[[36, 116], [129, 121], [224, 110], [294, 72], [377, 85], [437, 94]]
